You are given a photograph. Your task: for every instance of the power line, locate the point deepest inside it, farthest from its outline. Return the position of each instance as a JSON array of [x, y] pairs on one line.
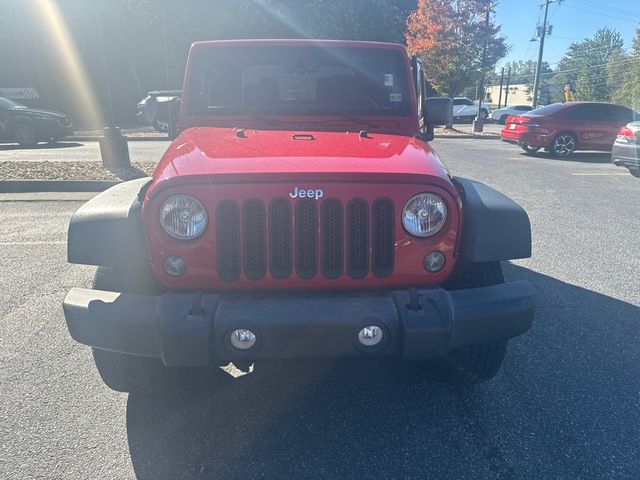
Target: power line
[[571, 70], [579, 53], [600, 14], [608, 8]]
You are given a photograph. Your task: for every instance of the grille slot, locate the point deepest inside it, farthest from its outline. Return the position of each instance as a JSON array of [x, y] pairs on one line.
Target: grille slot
[[228, 240], [383, 237], [332, 238], [280, 247], [306, 222], [357, 238], [254, 239]]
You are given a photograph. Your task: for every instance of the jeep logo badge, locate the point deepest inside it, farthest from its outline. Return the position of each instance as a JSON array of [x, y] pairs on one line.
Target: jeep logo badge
[[310, 193]]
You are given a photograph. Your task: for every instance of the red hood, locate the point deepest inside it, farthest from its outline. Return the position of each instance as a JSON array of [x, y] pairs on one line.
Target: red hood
[[226, 156]]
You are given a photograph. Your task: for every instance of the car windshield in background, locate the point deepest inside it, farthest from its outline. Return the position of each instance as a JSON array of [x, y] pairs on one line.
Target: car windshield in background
[[299, 80], [6, 104]]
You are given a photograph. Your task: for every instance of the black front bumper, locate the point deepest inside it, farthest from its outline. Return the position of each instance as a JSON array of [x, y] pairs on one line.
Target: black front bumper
[[416, 324]]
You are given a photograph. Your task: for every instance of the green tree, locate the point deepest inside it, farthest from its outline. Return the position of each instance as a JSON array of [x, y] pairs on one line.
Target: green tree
[[449, 36], [586, 65], [624, 76]]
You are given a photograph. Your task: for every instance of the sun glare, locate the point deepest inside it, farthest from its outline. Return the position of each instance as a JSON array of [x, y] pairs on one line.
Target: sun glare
[[51, 22]]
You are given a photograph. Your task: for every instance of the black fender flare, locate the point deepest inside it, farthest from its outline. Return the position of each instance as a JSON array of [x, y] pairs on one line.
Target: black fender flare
[[495, 227], [107, 230]]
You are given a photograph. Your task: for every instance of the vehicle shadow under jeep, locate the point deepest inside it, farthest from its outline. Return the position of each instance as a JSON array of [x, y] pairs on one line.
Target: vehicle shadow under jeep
[[582, 157], [564, 395]]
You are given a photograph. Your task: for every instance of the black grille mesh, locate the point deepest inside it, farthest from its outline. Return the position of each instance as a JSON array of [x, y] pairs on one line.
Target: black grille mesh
[[383, 238], [254, 239], [259, 237], [358, 238], [332, 238], [228, 240], [306, 238], [280, 237]]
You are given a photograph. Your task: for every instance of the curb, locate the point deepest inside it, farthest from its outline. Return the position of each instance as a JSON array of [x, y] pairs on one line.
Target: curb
[[129, 139], [28, 186], [467, 136]]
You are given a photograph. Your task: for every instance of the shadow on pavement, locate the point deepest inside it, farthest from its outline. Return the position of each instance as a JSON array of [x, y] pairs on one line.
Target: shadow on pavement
[[41, 146], [565, 405]]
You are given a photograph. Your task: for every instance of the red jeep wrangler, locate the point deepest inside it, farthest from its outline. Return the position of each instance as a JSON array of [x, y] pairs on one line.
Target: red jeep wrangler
[[300, 212]]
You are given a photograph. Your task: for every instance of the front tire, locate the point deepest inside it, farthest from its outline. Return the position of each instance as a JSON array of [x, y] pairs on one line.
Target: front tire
[[563, 145], [26, 135], [160, 125], [475, 363], [130, 373]]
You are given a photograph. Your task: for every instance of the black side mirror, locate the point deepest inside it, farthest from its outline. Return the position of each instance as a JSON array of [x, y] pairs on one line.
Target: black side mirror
[[438, 110]]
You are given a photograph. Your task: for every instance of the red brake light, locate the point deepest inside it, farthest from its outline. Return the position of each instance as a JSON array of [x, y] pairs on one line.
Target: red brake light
[[626, 134]]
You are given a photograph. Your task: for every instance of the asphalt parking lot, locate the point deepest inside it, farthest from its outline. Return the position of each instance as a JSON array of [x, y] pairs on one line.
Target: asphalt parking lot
[[565, 405]]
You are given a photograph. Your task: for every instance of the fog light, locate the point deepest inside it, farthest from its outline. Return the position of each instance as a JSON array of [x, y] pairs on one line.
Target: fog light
[[174, 266], [370, 336], [434, 261], [243, 339]]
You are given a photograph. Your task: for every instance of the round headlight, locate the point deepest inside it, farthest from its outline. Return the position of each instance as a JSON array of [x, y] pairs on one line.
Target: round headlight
[[183, 217], [424, 215]]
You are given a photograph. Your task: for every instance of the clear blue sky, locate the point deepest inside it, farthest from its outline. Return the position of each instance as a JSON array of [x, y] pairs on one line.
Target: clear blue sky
[[572, 21]]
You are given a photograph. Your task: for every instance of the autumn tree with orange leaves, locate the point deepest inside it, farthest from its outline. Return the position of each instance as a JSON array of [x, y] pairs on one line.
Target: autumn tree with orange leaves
[[449, 35]]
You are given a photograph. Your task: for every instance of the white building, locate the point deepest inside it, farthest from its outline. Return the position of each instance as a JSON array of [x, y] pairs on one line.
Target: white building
[[518, 94]]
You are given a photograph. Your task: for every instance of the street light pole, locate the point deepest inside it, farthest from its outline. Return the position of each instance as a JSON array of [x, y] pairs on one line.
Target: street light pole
[[478, 122], [536, 83]]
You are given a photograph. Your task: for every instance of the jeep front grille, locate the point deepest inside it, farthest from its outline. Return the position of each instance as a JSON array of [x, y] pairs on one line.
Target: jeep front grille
[[311, 238]]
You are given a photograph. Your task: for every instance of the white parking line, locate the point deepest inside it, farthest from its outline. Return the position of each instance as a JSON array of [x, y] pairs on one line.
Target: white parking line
[[13, 244], [602, 174]]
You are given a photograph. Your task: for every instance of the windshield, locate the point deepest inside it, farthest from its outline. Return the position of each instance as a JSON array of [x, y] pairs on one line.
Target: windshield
[[298, 80], [6, 104]]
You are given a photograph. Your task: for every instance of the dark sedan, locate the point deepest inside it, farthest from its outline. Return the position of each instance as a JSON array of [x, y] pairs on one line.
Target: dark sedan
[[28, 126], [626, 148]]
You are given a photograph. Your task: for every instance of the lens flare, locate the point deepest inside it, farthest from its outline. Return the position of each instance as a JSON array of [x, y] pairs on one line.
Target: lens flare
[[51, 22]]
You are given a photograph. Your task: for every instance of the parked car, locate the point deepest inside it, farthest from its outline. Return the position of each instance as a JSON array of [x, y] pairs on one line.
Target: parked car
[[466, 109], [501, 114], [626, 148], [562, 128], [28, 126], [301, 212], [155, 108]]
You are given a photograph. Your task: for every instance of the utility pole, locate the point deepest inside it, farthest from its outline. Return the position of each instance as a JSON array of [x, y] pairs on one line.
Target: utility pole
[[478, 123], [536, 83], [501, 83], [506, 90]]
